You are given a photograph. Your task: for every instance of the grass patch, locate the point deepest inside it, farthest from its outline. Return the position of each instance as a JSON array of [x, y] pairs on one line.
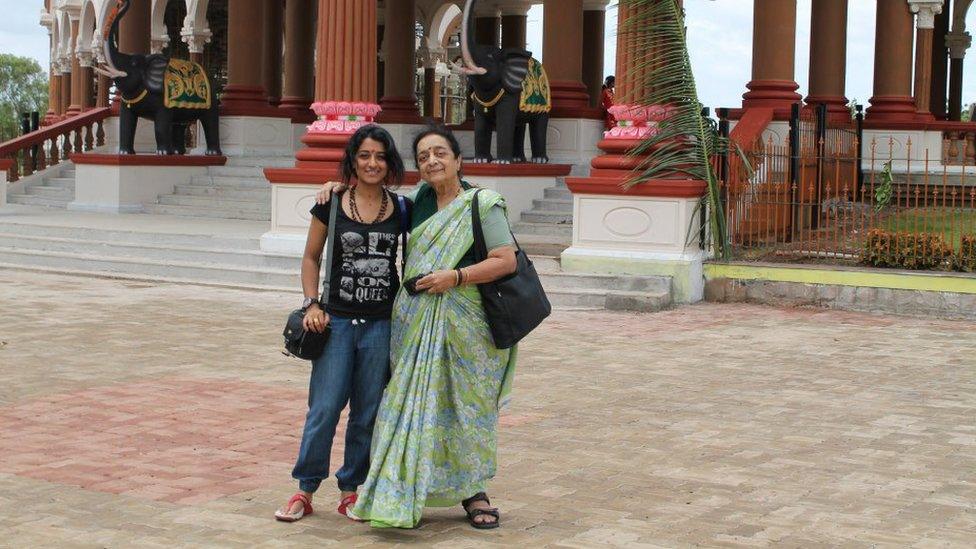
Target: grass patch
[[952, 225]]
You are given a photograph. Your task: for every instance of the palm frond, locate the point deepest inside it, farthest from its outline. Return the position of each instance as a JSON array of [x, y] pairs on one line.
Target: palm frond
[[685, 140]]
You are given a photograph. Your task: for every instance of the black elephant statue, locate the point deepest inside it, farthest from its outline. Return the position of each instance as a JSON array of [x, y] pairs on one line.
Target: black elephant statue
[[509, 90], [172, 92]]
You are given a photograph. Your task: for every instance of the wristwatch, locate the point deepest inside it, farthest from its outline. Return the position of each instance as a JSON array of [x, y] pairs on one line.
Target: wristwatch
[[308, 302]]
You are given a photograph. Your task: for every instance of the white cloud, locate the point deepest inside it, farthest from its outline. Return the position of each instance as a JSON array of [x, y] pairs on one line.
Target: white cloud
[[21, 33]]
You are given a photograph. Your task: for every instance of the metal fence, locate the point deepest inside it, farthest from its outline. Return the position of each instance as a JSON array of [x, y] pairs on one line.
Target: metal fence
[[821, 197]]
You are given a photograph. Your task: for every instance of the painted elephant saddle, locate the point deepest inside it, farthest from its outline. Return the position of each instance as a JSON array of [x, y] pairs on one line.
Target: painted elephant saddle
[[186, 85], [536, 96]]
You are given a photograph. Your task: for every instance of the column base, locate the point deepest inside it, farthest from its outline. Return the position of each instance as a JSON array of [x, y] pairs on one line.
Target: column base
[[246, 101], [49, 118], [891, 108], [836, 104], [298, 108], [110, 183], [399, 110], [775, 94], [650, 229], [571, 100], [256, 135]]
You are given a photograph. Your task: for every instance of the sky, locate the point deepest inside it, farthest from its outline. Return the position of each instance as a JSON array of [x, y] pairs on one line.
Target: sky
[[719, 42]]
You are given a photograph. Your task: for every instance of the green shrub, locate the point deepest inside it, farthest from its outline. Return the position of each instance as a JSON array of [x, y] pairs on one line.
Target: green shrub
[[918, 251]]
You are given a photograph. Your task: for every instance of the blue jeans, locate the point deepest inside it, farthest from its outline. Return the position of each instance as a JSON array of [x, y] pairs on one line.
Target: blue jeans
[[354, 368]]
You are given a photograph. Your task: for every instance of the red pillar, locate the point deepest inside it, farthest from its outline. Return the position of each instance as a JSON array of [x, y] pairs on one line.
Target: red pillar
[[299, 50], [617, 165], [271, 63], [562, 45], [828, 55], [74, 106], [345, 89], [892, 100], [245, 94], [773, 83], [400, 101]]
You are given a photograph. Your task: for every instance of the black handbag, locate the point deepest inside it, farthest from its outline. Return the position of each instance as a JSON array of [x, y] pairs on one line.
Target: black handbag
[[514, 304], [299, 342]]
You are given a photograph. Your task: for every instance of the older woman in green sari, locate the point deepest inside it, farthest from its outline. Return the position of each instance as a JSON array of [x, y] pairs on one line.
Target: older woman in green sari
[[434, 442]]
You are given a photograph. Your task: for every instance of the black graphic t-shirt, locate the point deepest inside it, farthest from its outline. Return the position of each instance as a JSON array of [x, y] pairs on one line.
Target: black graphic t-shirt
[[364, 271]]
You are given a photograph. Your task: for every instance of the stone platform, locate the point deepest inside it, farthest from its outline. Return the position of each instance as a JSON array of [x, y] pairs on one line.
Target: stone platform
[[142, 414]]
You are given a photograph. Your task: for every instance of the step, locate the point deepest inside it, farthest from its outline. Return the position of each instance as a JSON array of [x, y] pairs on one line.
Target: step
[[123, 236], [558, 193], [620, 283], [39, 200], [545, 263], [236, 171], [546, 229], [261, 161], [152, 268], [553, 205], [54, 192], [543, 245], [68, 173], [641, 302], [161, 252], [645, 302], [538, 216], [216, 202], [283, 280], [65, 182], [203, 211], [225, 191], [221, 181]]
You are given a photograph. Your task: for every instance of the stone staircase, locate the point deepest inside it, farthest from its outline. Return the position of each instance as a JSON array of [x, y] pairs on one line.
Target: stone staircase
[[127, 246], [208, 231], [237, 190], [547, 229], [52, 191]]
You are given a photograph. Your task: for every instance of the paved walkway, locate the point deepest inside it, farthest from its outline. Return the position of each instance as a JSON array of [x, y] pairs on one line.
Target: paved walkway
[[155, 415]]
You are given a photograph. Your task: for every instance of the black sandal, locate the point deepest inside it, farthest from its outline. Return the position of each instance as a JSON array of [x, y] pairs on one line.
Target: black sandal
[[475, 513]]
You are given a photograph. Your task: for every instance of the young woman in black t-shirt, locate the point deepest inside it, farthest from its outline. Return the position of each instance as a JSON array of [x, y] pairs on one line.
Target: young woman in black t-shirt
[[355, 365]]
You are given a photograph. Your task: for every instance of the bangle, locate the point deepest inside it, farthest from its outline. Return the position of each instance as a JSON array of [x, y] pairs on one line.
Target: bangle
[[458, 277], [464, 276]]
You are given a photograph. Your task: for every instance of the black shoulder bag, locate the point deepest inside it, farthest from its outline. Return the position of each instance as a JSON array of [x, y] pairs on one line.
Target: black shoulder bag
[[299, 342], [514, 304]]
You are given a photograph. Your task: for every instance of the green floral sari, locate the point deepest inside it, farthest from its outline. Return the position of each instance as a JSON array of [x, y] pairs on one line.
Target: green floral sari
[[436, 430]]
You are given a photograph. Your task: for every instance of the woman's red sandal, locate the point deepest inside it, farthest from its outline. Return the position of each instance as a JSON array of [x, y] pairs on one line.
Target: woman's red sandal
[[285, 515]]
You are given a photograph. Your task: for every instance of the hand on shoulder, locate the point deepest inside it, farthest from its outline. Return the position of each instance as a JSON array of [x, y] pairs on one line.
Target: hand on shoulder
[[325, 193]]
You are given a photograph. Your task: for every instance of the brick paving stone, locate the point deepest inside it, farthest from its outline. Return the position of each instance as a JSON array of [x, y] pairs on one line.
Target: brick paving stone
[[158, 415]]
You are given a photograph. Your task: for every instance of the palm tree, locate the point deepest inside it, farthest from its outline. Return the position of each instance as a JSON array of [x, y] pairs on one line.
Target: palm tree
[[685, 141]]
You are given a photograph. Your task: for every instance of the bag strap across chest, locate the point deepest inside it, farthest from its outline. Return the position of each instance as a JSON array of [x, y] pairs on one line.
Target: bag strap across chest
[[329, 249]]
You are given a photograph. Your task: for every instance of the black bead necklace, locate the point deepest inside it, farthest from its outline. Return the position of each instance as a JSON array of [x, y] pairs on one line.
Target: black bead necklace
[[355, 209]]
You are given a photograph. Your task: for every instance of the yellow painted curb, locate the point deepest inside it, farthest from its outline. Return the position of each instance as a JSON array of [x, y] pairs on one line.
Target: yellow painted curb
[[900, 280]]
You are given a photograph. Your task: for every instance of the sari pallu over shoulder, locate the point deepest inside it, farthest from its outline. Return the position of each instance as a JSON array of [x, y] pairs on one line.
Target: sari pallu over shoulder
[[436, 430]]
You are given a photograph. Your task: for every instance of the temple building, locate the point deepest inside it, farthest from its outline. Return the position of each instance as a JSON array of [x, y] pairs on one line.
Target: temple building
[[295, 77]]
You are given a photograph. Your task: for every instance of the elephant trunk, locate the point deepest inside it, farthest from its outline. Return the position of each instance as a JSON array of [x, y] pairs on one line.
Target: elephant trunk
[[110, 41], [467, 40]]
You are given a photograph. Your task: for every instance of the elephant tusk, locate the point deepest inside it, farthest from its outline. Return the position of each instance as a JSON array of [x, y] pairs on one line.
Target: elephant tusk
[[470, 67], [111, 73]]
